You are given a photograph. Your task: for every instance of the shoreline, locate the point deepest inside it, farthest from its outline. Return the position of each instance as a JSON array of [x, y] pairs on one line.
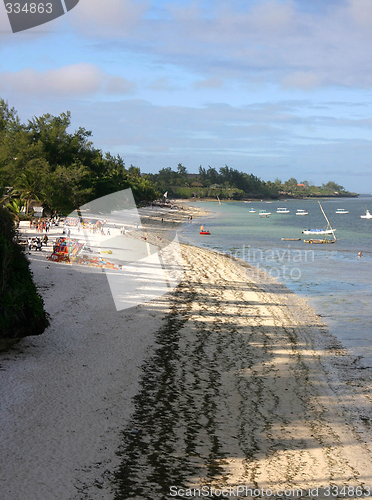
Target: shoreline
[[89, 386]]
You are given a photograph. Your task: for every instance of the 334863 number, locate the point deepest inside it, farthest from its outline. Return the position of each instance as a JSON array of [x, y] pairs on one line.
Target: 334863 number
[[32, 8]]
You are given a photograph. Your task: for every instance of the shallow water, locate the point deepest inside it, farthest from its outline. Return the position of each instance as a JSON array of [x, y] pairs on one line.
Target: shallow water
[[334, 279]]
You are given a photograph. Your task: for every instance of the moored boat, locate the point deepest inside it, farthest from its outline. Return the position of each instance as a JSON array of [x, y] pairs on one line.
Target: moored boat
[[367, 215], [328, 230], [316, 232], [341, 211], [264, 213], [319, 241], [282, 211], [302, 212]]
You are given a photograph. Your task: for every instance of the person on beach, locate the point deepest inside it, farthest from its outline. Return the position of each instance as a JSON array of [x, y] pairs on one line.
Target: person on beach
[[45, 239], [29, 244]]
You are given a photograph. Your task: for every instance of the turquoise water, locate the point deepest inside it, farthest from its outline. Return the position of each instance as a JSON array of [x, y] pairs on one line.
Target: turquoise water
[[334, 279]]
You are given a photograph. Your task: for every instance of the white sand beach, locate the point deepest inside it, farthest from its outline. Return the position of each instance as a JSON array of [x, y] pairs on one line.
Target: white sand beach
[[237, 381]]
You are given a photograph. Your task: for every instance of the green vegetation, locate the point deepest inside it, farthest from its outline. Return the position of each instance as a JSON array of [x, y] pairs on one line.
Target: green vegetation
[[43, 163], [229, 183], [21, 309]]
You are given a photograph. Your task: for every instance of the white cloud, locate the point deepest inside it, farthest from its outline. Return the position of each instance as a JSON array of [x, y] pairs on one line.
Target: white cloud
[[361, 11], [107, 18], [74, 80], [119, 85], [209, 83], [301, 79]]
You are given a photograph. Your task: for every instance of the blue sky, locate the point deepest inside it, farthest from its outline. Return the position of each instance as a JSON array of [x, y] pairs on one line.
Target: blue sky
[[277, 88]]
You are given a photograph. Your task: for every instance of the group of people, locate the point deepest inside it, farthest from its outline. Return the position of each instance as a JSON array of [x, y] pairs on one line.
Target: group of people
[[37, 243]]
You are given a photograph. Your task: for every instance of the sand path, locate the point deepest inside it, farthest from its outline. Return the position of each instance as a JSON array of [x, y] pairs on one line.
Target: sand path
[[239, 393]]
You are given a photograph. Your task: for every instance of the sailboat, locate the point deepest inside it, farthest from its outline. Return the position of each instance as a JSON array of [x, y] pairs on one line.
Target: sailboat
[[327, 231]]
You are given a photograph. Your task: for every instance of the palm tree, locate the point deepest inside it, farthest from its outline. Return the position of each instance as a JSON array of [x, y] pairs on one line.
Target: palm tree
[[16, 206], [28, 187]]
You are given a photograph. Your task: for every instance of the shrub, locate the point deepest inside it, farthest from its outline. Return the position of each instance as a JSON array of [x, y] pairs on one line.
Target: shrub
[[21, 308]]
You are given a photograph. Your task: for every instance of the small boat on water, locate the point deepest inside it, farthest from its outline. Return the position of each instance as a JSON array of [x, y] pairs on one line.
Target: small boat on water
[[341, 211], [319, 241], [328, 230], [316, 232], [302, 212], [282, 211], [203, 231], [264, 213], [367, 215], [291, 239], [252, 211]]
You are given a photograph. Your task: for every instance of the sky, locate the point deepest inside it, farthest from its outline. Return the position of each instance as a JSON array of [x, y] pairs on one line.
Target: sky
[[277, 88]]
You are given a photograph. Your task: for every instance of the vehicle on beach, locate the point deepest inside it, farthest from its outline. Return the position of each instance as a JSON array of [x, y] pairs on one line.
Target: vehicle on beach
[[326, 231], [264, 213], [302, 212], [341, 211], [282, 211], [367, 215]]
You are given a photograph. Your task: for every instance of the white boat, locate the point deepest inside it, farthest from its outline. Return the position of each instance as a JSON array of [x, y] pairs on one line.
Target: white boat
[[252, 211], [341, 211], [318, 231], [282, 211], [263, 213], [323, 232], [302, 212], [366, 216]]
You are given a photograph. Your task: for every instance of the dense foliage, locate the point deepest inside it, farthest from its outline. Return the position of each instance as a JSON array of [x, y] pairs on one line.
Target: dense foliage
[[42, 162], [229, 183], [21, 309]]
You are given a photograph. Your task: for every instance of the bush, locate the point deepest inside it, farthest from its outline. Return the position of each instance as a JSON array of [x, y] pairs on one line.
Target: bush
[[21, 308]]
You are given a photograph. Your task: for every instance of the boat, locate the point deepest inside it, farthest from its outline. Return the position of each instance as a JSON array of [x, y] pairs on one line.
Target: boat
[[264, 213], [319, 241], [327, 231], [341, 211], [291, 239], [282, 211], [302, 212], [203, 231], [367, 215], [316, 232], [252, 211]]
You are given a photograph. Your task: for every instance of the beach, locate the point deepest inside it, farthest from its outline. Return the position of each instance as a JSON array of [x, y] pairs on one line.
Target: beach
[[229, 380]]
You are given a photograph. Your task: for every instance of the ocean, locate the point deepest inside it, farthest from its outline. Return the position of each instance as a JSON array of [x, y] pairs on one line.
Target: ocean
[[336, 282]]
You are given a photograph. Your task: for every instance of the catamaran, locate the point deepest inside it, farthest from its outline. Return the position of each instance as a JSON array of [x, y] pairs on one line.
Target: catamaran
[[328, 230]]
